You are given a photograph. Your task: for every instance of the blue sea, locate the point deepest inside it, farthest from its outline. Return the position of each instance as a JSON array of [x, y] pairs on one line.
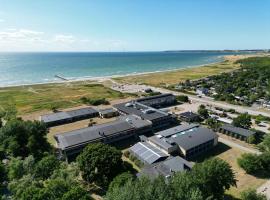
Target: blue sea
[[32, 68]]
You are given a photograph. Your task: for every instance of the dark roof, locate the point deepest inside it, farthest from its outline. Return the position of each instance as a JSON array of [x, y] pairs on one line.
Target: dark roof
[[140, 110], [177, 129], [189, 115], [193, 137], [95, 133], [107, 111], [147, 152], [154, 97], [65, 115], [237, 130], [166, 168], [82, 112]]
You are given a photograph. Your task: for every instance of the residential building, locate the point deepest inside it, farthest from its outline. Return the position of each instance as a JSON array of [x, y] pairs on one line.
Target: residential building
[[189, 117], [187, 140], [166, 168], [158, 101], [71, 143], [108, 113], [237, 132], [159, 119], [65, 117]]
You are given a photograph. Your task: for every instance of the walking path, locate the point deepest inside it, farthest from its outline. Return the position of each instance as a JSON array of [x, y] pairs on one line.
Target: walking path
[[233, 144]]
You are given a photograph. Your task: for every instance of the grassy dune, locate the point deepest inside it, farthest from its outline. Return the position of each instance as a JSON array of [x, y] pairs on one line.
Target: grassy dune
[[174, 77], [42, 97]]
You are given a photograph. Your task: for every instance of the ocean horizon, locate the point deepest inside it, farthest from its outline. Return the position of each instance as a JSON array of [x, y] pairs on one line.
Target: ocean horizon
[[43, 67]]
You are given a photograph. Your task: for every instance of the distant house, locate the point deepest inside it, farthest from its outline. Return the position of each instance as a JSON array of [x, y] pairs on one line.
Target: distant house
[[71, 143], [239, 133], [65, 117], [189, 117], [166, 168], [108, 113], [202, 91]]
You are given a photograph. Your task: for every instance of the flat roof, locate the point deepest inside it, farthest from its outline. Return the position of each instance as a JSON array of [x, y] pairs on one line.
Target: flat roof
[[177, 129], [64, 115], [141, 110], [107, 110], [147, 152], [94, 133], [189, 115], [150, 98], [238, 130], [193, 137]]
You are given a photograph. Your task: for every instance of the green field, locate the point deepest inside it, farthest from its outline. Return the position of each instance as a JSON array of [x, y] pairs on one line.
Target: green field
[[174, 77], [43, 97]]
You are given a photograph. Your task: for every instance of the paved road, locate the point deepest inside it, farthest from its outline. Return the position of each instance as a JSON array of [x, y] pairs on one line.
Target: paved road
[[233, 144], [205, 100]]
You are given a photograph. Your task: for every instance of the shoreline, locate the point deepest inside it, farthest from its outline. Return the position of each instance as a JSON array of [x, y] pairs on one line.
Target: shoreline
[[106, 78], [225, 58]]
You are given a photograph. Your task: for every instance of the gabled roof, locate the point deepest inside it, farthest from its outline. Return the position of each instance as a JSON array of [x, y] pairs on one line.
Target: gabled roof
[[238, 130], [166, 168]]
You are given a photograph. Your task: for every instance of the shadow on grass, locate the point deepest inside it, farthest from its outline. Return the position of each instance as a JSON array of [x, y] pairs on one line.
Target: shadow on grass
[[220, 148], [230, 197]]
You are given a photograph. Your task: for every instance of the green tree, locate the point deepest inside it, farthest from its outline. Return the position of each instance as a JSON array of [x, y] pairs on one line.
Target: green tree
[[249, 162], [203, 112], [213, 177], [243, 121], [182, 98], [142, 188], [184, 187], [265, 145], [46, 166], [252, 195], [100, 163], [23, 138], [120, 180], [77, 193], [3, 173], [15, 169]]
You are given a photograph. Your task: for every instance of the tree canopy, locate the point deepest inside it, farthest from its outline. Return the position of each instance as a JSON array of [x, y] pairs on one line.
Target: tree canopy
[[252, 195], [100, 163], [207, 180], [23, 138], [243, 121]]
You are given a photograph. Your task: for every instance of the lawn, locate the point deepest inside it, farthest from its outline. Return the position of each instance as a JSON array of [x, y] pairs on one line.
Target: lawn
[[230, 155], [174, 77], [63, 95]]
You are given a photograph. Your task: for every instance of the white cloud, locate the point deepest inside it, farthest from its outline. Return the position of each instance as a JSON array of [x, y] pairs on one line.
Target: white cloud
[[31, 40], [2, 20], [20, 35], [64, 38]]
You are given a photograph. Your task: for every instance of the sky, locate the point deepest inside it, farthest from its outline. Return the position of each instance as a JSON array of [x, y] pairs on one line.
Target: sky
[[133, 25]]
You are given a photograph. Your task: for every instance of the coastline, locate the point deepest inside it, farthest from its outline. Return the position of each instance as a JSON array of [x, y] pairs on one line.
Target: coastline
[[106, 78], [100, 79]]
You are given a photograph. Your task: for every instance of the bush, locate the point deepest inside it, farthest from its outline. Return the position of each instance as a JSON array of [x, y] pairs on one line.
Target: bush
[[182, 98], [127, 154], [94, 102]]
